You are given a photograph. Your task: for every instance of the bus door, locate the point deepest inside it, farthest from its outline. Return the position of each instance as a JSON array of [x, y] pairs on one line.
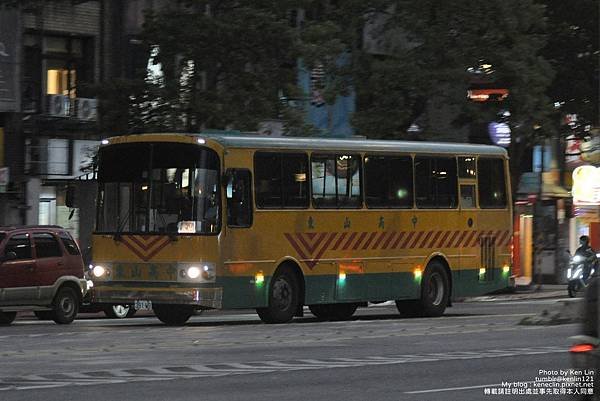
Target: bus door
[[468, 226]]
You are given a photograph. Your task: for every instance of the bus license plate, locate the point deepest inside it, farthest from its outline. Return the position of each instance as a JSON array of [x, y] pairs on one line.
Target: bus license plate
[[142, 305]]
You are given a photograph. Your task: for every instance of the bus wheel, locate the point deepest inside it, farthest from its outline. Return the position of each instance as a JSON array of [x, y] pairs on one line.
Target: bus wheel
[[333, 311], [7, 318], [173, 315], [283, 298], [119, 311], [435, 292]]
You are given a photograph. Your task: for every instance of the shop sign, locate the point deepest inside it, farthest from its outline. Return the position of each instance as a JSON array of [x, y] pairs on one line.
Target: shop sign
[[586, 185]]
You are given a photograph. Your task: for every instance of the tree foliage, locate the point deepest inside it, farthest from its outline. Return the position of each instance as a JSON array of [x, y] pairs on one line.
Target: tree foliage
[[224, 63]]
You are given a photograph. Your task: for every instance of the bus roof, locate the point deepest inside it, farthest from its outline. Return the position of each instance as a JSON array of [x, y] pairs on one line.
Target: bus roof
[[354, 144], [232, 140]]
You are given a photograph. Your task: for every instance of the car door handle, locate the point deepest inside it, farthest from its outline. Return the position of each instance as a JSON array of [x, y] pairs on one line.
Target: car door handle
[[60, 263]]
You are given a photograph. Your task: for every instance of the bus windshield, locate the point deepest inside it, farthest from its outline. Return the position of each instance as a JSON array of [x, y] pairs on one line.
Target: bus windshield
[[158, 187]]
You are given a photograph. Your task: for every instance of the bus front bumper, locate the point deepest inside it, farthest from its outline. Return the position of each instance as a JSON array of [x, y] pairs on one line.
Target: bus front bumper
[[202, 297]]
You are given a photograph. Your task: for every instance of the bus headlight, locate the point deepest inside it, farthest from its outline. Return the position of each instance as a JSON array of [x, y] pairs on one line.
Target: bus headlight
[[201, 272], [193, 272], [99, 271]]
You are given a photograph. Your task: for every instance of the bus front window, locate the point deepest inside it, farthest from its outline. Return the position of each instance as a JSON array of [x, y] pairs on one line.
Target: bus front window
[[158, 188]]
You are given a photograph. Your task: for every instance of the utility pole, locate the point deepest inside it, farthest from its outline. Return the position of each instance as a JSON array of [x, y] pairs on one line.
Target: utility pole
[[539, 236]]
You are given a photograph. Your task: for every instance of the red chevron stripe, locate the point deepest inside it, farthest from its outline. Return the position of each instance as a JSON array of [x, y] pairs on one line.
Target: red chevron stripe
[[407, 240], [347, 244], [397, 241], [460, 239], [132, 248], [337, 244], [381, 236], [503, 240], [144, 243], [443, 239], [323, 249], [419, 235], [387, 242], [422, 244], [434, 239], [469, 238], [310, 248], [158, 249], [369, 240], [131, 241], [359, 240], [297, 248], [451, 240], [475, 241]]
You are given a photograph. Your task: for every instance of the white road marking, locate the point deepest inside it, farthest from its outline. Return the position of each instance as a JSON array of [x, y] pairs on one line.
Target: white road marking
[[158, 373], [439, 390]]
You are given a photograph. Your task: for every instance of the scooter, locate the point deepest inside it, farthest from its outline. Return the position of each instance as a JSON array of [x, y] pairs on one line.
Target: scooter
[[576, 282]]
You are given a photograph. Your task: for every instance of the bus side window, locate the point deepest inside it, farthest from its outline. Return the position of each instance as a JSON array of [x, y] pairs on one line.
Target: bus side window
[[239, 201]]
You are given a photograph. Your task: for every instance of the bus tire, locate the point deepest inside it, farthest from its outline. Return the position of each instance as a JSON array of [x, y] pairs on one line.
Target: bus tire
[[7, 318], [173, 315], [435, 292], [333, 311], [283, 298], [119, 311]]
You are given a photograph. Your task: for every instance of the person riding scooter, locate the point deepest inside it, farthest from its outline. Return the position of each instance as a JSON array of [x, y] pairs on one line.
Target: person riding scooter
[[582, 266], [586, 252]]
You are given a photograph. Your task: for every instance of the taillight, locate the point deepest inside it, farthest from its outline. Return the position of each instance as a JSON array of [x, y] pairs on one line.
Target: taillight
[[581, 348]]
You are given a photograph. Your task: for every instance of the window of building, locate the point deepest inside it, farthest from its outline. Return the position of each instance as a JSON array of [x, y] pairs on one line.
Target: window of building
[[46, 246], [20, 245], [436, 182], [336, 181], [388, 181], [280, 180], [491, 183]]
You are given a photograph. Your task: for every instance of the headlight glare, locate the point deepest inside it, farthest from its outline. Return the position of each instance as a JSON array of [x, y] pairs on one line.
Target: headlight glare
[[98, 271], [193, 272]]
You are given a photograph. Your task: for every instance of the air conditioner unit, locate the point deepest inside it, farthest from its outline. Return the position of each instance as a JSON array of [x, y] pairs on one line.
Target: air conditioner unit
[[86, 109], [59, 105]]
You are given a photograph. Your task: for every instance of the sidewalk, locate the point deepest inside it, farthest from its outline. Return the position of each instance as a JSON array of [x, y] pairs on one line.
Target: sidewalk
[[532, 291]]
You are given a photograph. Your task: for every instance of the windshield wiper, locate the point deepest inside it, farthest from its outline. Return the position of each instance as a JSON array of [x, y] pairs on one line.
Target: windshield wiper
[[121, 226]]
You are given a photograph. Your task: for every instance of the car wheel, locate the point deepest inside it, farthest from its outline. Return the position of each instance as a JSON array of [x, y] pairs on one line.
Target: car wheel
[[7, 318], [173, 315], [119, 311], [333, 311], [283, 298], [43, 314], [66, 306]]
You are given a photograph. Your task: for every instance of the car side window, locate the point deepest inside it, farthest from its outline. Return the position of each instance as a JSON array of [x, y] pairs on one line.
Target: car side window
[[69, 243], [20, 245], [46, 246]]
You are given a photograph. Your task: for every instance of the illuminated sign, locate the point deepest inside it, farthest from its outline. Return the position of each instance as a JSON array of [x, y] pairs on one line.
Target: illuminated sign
[[499, 134], [586, 185]]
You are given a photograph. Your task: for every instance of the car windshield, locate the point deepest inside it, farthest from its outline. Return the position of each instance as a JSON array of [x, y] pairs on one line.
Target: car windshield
[[158, 188]]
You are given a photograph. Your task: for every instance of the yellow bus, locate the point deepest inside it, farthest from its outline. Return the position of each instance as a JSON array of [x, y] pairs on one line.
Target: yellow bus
[[202, 221]]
